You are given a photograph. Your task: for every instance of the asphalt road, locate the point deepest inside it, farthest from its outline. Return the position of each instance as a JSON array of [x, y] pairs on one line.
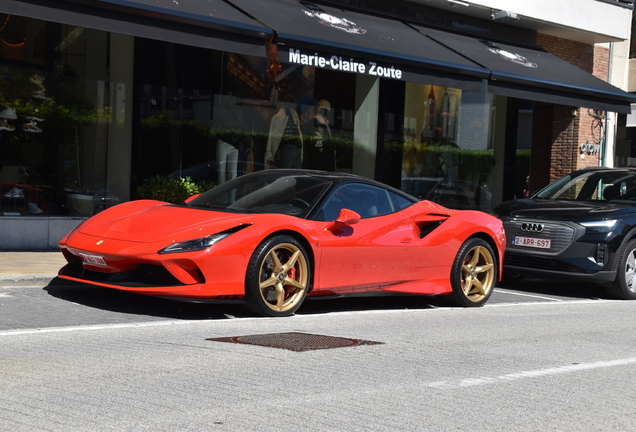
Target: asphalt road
[[542, 356]]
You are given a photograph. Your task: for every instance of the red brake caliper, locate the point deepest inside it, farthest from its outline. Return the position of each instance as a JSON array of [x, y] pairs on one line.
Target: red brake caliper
[[288, 288]]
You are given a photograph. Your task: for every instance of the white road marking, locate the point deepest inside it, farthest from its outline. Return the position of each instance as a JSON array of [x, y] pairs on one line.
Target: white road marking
[[560, 303], [526, 295], [231, 318], [537, 373], [100, 327]]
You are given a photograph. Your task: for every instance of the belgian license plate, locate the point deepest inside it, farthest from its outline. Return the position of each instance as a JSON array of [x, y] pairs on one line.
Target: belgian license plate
[[93, 259], [531, 242]]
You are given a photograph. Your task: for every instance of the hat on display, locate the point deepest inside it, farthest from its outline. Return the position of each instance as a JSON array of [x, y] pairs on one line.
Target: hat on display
[[31, 126], [8, 113], [15, 193], [324, 104], [38, 81], [5, 125], [35, 115]]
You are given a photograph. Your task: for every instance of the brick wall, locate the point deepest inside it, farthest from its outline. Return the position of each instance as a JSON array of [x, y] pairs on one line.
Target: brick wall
[[540, 156], [558, 131], [577, 53]]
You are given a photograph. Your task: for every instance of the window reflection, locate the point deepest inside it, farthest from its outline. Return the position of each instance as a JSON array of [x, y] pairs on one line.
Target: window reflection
[[53, 118], [445, 151], [214, 116], [88, 118]]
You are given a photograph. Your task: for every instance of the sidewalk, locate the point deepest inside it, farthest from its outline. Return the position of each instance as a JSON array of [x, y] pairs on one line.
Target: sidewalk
[[21, 268]]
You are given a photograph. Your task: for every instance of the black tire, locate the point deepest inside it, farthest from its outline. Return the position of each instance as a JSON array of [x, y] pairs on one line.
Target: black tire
[[474, 273], [624, 286], [278, 277]]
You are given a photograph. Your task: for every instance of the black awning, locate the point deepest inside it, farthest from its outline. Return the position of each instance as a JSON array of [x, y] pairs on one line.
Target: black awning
[[534, 74], [345, 40], [208, 24]]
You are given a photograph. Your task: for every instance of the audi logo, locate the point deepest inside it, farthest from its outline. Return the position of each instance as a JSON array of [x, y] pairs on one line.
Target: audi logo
[[532, 227]]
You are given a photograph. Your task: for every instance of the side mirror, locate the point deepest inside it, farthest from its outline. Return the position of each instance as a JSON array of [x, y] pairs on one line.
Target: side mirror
[[346, 217]]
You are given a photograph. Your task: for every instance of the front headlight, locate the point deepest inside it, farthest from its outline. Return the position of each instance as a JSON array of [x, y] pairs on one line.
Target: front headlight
[[596, 227], [195, 245]]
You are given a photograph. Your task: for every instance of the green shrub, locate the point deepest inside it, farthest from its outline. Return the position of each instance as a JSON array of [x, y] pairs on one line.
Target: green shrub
[[434, 160], [205, 186], [170, 189]]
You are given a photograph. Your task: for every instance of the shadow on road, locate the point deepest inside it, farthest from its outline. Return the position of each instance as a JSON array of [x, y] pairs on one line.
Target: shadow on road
[[123, 302], [137, 304], [558, 288], [316, 305]]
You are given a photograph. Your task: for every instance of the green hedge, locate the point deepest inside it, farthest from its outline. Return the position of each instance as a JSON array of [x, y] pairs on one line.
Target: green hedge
[[421, 160], [170, 189]]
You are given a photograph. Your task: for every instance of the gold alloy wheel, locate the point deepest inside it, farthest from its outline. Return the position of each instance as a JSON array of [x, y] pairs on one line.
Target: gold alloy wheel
[[283, 277], [478, 274]]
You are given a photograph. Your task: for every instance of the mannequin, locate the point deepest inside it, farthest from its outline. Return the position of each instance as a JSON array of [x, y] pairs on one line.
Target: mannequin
[[227, 157], [230, 154], [285, 141], [321, 131], [430, 107], [449, 103]]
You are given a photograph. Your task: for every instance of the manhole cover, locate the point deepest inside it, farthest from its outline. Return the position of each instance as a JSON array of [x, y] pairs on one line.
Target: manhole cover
[[295, 341]]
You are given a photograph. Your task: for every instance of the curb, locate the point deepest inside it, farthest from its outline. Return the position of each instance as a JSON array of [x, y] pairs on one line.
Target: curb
[[26, 279]]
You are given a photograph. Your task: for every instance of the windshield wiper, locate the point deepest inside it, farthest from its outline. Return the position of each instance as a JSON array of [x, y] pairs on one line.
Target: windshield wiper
[[214, 206]]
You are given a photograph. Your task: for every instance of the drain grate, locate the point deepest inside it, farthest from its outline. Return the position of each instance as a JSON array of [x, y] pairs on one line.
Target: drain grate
[[295, 341]]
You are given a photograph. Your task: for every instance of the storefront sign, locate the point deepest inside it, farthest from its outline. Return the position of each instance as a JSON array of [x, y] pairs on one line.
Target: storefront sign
[[590, 148], [342, 64]]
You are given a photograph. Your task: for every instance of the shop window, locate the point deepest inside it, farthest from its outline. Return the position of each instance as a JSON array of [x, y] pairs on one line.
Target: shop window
[[443, 149], [54, 116], [625, 147], [210, 116]]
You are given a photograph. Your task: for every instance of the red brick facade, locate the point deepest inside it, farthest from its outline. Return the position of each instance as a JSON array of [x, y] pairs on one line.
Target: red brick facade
[[559, 131]]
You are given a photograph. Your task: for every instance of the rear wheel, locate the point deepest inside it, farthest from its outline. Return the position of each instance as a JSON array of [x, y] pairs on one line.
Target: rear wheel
[[624, 287], [474, 273], [278, 277]]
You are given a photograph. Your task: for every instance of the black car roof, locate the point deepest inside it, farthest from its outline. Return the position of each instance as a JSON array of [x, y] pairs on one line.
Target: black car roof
[[337, 177], [596, 168], [318, 173]]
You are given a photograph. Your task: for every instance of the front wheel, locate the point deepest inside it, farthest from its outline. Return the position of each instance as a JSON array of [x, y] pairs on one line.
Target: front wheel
[[474, 273], [278, 277], [624, 287]]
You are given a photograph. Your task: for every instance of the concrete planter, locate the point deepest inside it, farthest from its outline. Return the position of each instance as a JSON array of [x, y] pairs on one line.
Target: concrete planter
[[34, 233]]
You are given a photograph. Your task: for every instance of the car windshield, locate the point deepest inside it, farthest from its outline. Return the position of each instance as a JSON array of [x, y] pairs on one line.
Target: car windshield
[[269, 191], [614, 186]]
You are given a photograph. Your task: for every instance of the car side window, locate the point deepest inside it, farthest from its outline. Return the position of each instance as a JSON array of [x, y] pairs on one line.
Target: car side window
[[366, 200], [400, 202]]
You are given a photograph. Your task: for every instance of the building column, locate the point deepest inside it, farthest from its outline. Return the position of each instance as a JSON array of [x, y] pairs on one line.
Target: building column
[[365, 128], [121, 101]]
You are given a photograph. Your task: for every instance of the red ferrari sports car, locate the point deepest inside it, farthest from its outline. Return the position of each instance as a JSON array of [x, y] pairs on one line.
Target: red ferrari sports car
[[274, 237]]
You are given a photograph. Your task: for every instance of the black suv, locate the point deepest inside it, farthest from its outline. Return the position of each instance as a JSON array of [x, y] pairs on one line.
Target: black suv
[[582, 227]]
